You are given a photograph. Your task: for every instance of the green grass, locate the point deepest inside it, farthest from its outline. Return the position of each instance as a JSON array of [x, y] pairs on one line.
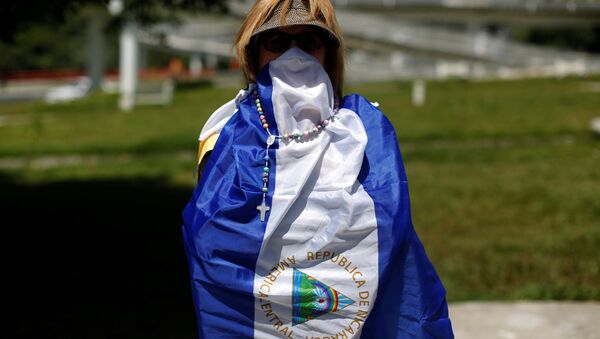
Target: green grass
[[504, 176], [505, 185], [95, 126], [511, 223]]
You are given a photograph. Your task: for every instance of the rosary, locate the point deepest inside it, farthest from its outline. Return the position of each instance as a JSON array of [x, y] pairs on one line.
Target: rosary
[[295, 135]]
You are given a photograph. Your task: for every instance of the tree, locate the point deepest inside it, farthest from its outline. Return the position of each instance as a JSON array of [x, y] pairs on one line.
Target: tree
[[42, 34], [17, 16]]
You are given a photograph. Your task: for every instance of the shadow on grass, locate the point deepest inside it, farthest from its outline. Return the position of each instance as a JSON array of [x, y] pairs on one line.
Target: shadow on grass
[[95, 259]]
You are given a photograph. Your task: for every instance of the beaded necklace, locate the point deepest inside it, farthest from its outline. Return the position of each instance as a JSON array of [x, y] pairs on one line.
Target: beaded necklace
[[287, 137]]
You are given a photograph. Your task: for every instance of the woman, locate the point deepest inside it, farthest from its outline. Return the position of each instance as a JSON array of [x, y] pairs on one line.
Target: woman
[[300, 225]]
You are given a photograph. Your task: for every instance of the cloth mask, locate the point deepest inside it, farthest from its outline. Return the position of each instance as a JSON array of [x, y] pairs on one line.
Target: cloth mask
[[302, 92]]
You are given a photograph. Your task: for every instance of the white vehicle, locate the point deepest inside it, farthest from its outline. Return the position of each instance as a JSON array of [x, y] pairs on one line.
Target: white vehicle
[[70, 92]]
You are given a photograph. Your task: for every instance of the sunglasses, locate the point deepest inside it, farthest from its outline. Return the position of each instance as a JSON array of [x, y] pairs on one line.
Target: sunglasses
[[278, 42]]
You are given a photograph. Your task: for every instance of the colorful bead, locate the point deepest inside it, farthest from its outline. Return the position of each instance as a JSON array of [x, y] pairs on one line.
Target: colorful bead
[[296, 134]]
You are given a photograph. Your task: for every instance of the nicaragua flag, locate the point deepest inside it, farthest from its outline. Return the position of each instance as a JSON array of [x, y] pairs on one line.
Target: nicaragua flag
[[337, 255]]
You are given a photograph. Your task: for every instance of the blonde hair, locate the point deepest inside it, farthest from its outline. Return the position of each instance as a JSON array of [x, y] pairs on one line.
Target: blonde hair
[[321, 10]]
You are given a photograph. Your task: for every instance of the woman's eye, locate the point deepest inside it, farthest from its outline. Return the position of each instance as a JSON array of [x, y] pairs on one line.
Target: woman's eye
[[278, 39], [309, 42]]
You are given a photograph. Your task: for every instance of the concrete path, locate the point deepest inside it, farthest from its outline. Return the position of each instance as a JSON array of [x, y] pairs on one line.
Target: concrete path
[[526, 320]]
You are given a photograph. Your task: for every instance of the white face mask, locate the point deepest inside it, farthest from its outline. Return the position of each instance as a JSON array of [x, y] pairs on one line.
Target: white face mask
[[302, 92]]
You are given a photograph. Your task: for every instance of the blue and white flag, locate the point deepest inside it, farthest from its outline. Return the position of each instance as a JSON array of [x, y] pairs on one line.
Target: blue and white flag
[[337, 255]]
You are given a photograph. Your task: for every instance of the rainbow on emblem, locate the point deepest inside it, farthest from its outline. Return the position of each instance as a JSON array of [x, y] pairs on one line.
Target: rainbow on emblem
[[311, 298]]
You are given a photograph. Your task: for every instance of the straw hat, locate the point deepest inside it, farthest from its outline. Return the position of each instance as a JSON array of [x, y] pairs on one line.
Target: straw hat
[[299, 14]]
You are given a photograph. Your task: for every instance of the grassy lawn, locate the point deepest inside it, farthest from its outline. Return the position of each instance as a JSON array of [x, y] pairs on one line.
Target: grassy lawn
[[505, 185], [504, 178]]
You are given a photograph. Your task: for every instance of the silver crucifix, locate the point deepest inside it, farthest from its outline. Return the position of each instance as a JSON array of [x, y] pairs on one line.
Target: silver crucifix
[[263, 208]]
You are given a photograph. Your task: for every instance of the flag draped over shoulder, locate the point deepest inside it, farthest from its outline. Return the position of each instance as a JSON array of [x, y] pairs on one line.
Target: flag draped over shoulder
[[337, 256]]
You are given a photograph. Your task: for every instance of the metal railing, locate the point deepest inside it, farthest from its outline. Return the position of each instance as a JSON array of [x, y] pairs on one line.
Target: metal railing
[[528, 4]]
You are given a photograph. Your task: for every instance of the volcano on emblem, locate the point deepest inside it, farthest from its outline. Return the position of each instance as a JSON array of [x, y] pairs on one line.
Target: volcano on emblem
[[312, 298]]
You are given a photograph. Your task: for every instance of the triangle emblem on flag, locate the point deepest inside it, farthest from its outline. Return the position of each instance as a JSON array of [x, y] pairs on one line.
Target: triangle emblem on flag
[[311, 298]]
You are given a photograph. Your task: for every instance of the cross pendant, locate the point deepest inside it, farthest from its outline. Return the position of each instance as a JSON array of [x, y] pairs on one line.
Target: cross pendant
[[263, 208]]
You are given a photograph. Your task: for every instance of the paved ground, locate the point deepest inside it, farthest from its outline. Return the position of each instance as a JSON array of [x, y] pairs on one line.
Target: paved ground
[[526, 320]]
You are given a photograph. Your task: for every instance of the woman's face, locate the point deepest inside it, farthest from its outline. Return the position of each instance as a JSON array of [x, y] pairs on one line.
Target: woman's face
[[275, 42]]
